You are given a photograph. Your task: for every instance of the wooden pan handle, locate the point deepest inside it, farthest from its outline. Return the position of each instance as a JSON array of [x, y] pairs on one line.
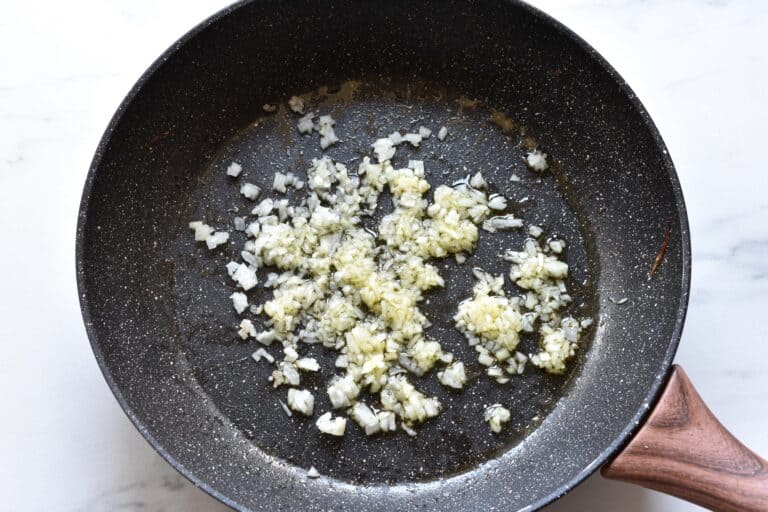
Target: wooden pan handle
[[683, 450]]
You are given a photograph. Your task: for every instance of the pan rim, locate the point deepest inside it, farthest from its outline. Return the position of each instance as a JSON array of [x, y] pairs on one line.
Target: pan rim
[[619, 441]]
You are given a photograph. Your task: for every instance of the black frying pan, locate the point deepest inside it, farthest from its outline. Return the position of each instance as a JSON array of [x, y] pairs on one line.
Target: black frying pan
[[156, 305]]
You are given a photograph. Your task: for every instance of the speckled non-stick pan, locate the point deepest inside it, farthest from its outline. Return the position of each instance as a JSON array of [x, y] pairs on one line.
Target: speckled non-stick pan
[[502, 77]]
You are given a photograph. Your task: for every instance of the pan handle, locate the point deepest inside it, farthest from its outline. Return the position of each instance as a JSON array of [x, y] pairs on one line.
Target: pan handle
[[683, 450]]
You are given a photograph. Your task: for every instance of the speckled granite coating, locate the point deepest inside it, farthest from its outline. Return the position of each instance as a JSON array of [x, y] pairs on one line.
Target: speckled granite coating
[[156, 306]]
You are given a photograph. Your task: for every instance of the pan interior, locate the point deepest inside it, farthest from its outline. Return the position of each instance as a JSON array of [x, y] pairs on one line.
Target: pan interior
[[237, 386]]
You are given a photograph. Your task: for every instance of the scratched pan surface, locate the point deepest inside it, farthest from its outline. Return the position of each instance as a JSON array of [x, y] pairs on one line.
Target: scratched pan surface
[[156, 304]]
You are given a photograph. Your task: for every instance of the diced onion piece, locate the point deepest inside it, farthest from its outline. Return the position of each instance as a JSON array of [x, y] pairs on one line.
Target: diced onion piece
[[424, 132], [413, 138], [245, 276], [261, 353], [332, 426], [290, 354], [250, 191], [497, 202], [306, 124], [246, 329], [557, 246], [365, 417], [396, 138], [454, 376], [279, 181], [383, 149], [327, 134], [308, 364], [342, 391], [477, 181], [301, 400], [232, 267], [263, 208], [234, 169], [286, 373], [202, 231], [217, 239], [496, 415], [502, 222], [537, 160], [239, 301], [557, 345], [442, 133], [296, 104], [266, 337]]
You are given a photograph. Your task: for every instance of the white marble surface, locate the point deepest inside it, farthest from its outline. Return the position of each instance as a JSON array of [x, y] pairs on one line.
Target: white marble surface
[[700, 67]]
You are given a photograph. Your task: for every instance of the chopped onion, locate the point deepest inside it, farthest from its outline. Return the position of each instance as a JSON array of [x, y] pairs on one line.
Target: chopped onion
[[290, 354], [301, 400], [396, 138], [359, 291], [325, 129], [537, 161], [308, 364], [266, 337], [331, 426], [250, 191], [454, 376], [246, 329], [496, 415], [477, 181], [557, 246], [232, 267], [202, 231], [365, 417], [239, 301], [286, 373], [278, 182], [497, 202], [261, 353], [502, 222], [296, 104], [245, 277], [343, 391], [413, 138], [383, 149], [234, 169], [306, 124], [216, 239]]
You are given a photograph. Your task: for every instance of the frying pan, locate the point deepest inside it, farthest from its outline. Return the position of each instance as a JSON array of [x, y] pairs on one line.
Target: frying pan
[[502, 77]]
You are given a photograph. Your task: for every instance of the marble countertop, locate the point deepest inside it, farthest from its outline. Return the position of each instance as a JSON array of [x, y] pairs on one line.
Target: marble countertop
[[700, 67]]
